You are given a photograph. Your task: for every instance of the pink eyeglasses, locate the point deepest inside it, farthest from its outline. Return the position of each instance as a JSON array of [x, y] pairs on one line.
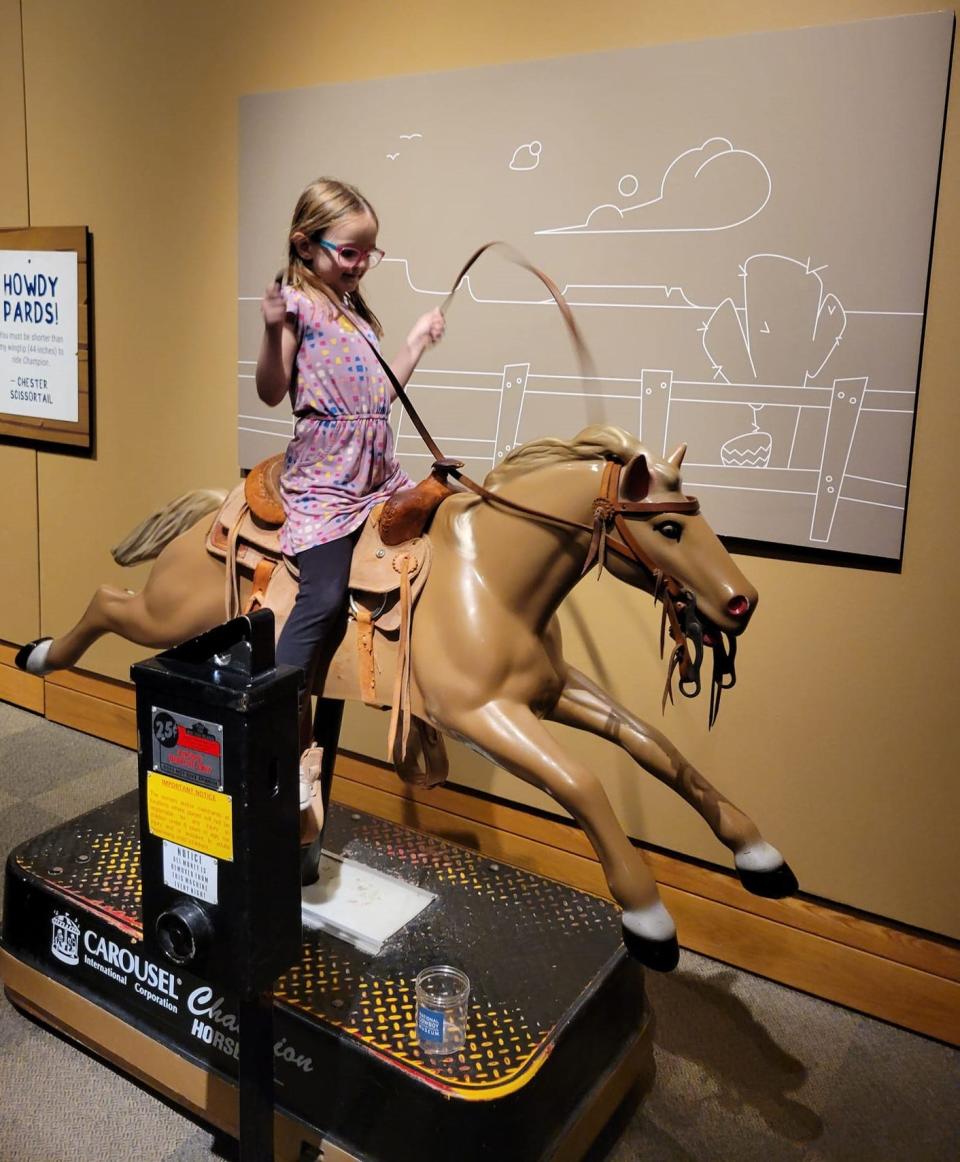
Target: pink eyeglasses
[[350, 256]]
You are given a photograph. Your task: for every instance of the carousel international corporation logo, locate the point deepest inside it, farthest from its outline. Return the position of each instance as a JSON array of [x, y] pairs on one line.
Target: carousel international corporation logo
[[65, 938]]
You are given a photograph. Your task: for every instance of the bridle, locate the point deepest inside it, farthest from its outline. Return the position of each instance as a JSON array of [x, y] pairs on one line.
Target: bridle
[[679, 604], [610, 511]]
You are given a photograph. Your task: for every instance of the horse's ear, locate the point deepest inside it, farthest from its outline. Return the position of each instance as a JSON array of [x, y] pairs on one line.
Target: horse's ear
[[635, 479], [676, 456]]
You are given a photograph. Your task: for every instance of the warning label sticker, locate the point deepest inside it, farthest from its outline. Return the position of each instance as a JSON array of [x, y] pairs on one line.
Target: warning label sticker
[[190, 816], [187, 747], [190, 872]]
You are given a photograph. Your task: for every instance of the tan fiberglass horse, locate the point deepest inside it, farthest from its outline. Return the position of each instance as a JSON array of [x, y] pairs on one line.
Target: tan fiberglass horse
[[486, 663]]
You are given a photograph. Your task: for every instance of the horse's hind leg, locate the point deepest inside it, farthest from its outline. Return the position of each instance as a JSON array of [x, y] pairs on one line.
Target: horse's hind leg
[[585, 705], [514, 738], [183, 596]]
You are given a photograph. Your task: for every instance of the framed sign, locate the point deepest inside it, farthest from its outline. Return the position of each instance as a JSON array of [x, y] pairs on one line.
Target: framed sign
[[45, 381]]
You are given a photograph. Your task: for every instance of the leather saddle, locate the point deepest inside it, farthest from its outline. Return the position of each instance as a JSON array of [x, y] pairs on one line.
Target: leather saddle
[[405, 515], [391, 562]]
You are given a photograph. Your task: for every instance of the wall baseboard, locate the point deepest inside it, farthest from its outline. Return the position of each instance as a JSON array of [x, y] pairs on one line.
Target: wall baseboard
[[903, 976], [17, 687]]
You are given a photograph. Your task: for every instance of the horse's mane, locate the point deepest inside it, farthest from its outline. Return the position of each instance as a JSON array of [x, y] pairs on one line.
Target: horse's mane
[[598, 442]]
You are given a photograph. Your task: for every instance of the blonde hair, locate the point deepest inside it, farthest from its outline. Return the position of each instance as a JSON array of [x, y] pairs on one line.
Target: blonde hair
[[323, 203]]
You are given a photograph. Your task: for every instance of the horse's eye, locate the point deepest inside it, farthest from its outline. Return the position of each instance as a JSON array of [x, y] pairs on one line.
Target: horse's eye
[[670, 529]]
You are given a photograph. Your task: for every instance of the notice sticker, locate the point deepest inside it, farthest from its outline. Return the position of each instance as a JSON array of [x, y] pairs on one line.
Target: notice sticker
[[187, 747], [190, 872], [190, 816]]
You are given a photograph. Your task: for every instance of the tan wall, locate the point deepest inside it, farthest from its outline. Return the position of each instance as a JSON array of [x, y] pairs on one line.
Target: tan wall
[[19, 618], [842, 735]]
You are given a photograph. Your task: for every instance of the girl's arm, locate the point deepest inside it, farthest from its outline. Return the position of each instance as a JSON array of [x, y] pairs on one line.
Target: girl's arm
[[427, 330], [278, 348]]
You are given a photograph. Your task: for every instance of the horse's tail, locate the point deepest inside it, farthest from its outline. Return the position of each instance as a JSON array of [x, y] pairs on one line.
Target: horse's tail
[[153, 535]]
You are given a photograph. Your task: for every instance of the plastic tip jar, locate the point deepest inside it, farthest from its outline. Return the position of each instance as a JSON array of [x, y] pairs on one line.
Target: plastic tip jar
[[442, 996]]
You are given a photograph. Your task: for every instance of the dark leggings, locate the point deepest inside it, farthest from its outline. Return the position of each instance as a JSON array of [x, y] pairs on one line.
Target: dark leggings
[[316, 622]]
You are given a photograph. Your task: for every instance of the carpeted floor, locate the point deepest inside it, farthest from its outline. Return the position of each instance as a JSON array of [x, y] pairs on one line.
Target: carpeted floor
[[746, 1070]]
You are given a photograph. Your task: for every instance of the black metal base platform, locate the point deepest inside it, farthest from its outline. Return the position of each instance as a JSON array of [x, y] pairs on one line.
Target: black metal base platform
[[557, 1019]]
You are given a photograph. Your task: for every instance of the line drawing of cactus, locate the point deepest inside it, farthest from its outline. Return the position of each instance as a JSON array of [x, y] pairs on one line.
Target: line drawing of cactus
[[789, 328], [783, 335]]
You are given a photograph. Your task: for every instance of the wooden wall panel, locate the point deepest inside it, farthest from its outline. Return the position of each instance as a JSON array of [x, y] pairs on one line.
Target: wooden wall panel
[[20, 608], [14, 210]]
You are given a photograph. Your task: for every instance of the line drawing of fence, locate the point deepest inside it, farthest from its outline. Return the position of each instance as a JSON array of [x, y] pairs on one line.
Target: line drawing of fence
[[657, 392]]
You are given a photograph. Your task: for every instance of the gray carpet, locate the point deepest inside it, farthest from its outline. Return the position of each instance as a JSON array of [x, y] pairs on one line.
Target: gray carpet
[[745, 1070]]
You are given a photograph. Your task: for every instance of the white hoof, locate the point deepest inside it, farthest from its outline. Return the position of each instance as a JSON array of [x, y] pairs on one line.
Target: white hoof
[[36, 660], [651, 923], [758, 857]]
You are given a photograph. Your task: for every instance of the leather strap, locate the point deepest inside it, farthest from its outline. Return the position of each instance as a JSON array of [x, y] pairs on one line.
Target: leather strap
[[398, 736], [367, 667], [261, 580], [231, 579]]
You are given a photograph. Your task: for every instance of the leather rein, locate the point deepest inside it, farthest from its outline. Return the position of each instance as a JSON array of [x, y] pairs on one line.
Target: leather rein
[[609, 530]]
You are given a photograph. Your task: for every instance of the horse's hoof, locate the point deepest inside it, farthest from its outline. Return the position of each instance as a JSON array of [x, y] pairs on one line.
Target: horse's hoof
[[24, 654], [660, 955], [310, 854], [772, 885]]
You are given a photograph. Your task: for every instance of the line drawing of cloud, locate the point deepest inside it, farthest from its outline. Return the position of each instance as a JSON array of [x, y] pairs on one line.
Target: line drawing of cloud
[[409, 136], [526, 156], [711, 187]]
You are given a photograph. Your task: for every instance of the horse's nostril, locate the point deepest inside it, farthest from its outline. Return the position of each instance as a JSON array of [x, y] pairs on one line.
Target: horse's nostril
[[738, 606]]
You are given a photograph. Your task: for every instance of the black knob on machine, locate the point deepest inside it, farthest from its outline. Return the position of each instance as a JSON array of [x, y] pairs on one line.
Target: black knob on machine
[[184, 932]]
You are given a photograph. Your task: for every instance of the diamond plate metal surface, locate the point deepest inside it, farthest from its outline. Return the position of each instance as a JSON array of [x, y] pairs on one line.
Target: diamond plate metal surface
[[533, 948]]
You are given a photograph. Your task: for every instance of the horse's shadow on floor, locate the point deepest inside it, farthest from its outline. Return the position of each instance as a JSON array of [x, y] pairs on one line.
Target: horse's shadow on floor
[[700, 1021]]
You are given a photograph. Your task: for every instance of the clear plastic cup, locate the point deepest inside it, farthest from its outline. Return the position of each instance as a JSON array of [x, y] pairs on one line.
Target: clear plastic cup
[[442, 996]]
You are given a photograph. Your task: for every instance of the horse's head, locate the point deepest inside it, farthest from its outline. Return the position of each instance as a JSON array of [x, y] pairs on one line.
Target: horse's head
[[644, 530], [663, 535]]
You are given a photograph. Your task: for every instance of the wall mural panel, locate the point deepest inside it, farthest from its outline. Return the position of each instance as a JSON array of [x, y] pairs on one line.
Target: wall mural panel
[[742, 226]]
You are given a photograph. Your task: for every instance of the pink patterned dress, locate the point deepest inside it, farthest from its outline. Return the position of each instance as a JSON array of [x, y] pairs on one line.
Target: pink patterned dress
[[340, 462]]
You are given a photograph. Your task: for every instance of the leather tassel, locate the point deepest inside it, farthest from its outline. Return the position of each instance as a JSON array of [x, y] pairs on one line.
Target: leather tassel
[[668, 687], [594, 545], [405, 636], [398, 737]]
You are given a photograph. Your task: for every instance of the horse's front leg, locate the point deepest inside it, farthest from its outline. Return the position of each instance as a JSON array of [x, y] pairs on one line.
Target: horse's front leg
[[513, 737], [761, 868]]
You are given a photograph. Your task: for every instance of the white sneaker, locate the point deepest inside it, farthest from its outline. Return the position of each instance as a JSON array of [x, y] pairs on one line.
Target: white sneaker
[[311, 796]]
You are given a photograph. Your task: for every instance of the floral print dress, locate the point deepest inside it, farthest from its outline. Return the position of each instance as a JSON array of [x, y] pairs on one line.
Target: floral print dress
[[340, 462]]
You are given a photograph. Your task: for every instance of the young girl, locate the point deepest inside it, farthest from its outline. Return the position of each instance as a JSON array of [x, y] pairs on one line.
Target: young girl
[[340, 462]]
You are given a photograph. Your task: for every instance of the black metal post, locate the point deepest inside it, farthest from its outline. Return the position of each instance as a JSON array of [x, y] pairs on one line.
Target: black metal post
[[217, 725], [256, 1077]]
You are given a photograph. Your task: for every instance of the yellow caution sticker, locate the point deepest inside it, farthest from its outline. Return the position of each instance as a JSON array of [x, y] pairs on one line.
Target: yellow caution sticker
[[192, 816]]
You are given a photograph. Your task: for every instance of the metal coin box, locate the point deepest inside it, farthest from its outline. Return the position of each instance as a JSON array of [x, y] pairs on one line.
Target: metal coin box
[[219, 805]]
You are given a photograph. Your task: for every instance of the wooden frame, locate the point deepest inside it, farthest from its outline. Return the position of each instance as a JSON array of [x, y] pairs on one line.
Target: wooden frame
[[902, 975], [34, 430]]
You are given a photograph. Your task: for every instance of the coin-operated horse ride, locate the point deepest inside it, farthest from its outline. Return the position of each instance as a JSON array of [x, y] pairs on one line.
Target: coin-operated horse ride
[[453, 626], [456, 630]]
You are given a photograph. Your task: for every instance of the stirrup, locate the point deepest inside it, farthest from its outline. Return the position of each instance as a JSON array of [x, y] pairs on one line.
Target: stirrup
[[311, 795]]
